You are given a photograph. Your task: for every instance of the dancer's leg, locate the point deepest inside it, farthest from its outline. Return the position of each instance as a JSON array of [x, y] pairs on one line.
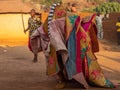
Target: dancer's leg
[[61, 76], [35, 57]]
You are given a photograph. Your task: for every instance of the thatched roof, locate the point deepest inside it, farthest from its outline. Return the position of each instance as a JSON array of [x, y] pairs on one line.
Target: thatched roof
[[14, 6]]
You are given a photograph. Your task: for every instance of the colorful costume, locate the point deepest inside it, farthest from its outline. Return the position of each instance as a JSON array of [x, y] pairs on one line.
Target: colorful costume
[[81, 56], [76, 42]]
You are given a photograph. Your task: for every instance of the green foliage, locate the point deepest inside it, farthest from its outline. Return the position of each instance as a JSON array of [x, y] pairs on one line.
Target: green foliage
[[108, 7]]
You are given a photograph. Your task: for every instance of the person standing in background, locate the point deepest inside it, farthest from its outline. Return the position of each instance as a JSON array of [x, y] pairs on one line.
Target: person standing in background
[[68, 8], [99, 26], [118, 31], [73, 9], [33, 24]]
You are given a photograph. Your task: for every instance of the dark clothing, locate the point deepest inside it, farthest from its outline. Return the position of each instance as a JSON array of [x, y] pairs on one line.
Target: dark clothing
[[118, 38]]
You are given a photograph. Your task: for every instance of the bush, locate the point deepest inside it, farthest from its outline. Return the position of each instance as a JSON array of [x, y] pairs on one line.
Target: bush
[[108, 7]]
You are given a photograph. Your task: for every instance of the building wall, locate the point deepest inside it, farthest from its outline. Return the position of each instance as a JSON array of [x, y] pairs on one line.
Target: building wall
[[109, 27], [14, 6]]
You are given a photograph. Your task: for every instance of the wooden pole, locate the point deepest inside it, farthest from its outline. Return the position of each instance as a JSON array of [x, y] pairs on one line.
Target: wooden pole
[[23, 22]]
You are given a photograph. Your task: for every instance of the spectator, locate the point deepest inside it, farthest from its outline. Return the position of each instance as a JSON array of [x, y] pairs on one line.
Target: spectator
[[99, 26], [74, 10], [68, 8], [33, 24]]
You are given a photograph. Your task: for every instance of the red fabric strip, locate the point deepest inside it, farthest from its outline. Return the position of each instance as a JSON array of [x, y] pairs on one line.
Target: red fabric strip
[[78, 48]]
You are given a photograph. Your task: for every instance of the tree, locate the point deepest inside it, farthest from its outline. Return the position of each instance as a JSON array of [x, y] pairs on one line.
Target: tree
[[108, 7]]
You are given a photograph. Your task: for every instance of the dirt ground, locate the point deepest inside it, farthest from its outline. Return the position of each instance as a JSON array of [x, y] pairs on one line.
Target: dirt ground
[[18, 72]]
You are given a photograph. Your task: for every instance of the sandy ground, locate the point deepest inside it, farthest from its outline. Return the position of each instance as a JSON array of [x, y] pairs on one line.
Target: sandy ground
[[18, 72]]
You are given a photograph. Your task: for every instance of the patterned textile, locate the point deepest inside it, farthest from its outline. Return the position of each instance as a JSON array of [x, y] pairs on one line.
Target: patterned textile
[[90, 27], [57, 37], [33, 24], [51, 14], [56, 11], [60, 12], [48, 49], [82, 58], [52, 62], [29, 45], [71, 36], [39, 41], [70, 21], [92, 31]]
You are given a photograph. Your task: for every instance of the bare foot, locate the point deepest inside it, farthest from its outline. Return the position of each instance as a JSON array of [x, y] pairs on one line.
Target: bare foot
[[35, 58]]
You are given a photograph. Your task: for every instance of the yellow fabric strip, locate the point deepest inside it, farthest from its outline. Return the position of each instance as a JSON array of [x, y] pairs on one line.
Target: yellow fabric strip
[[117, 24]]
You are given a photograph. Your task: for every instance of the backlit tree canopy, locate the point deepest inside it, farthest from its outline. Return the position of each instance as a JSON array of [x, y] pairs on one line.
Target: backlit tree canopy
[[108, 7]]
